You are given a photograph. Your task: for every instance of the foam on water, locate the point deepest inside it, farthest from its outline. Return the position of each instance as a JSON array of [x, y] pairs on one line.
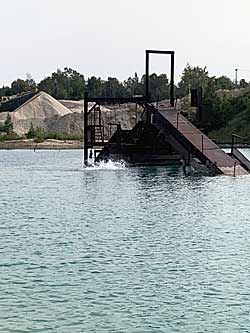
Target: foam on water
[[109, 165], [103, 165]]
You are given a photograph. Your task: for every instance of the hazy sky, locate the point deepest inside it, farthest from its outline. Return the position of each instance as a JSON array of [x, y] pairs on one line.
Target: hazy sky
[[108, 37]]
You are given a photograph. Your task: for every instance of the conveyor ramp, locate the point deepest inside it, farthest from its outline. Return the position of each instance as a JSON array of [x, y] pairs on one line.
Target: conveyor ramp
[[194, 142]]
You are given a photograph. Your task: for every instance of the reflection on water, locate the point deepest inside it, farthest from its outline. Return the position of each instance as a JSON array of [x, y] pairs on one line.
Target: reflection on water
[[123, 250]]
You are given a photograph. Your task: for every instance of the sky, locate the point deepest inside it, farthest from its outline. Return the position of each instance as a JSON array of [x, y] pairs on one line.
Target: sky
[[109, 37]]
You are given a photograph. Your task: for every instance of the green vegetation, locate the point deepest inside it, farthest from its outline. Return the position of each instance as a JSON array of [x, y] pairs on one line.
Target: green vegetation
[[19, 86], [7, 126], [69, 84], [6, 130], [232, 115], [8, 137], [227, 112], [31, 132]]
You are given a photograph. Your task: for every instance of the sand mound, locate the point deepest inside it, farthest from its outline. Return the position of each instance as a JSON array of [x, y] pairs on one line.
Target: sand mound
[[70, 124], [40, 107], [65, 116], [22, 126], [74, 106]]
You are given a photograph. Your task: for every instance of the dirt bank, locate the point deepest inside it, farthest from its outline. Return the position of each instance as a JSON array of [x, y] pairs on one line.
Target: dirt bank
[[47, 144]]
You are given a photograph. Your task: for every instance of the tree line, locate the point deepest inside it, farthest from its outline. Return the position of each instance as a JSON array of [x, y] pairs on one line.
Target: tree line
[[69, 84], [220, 109]]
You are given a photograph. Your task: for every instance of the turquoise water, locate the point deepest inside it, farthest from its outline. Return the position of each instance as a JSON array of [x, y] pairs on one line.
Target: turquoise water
[[123, 250]]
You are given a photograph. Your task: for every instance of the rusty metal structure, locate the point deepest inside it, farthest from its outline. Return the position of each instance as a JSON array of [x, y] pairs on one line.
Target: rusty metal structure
[[94, 129], [162, 136], [171, 53], [11, 103]]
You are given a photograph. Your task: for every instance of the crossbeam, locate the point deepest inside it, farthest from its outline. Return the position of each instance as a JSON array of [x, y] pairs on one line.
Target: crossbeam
[[114, 100]]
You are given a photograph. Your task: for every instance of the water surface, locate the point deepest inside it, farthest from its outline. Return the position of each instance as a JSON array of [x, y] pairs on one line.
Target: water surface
[[121, 250]]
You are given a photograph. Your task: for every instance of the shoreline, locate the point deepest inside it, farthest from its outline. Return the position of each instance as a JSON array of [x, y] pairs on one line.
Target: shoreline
[[49, 144]]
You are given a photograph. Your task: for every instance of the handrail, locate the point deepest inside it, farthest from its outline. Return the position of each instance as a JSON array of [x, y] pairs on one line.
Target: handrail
[[241, 158], [233, 141]]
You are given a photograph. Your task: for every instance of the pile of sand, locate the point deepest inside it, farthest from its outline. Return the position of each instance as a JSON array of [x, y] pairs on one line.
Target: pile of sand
[[36, 110], [71, 124], [74, 106], [65, 116], [41, 105]]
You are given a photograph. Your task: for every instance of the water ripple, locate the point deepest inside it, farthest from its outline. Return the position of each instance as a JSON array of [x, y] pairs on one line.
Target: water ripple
[[128, 250]]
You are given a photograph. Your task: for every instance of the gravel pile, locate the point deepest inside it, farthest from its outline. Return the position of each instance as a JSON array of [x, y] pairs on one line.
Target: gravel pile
[[39, 108], [65, 116]]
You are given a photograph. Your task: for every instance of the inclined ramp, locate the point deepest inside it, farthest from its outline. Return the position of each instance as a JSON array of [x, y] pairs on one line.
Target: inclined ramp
[[189, 140]]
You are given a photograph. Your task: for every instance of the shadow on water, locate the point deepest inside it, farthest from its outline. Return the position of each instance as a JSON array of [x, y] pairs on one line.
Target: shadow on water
[[172, 175], [152, 171]]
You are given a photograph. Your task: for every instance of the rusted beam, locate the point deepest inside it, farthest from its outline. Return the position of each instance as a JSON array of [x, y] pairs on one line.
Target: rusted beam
[[85, 128], [147, 92], [113, 100]]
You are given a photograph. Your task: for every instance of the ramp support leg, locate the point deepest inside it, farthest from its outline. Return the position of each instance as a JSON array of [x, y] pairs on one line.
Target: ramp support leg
[[85, 129]]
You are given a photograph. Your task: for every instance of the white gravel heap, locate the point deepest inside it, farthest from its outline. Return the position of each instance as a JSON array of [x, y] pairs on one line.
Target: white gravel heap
[[40, 107], [46, 112]]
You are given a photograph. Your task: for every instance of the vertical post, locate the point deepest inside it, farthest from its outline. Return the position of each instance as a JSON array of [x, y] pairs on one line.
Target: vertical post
[[177, 119], [172, 80], [101, 129], [236, 76], [202, 143], [147, 76], [199, 106], [94, 116], [171, 53], [235, 163], [85, 119], [232, 144]]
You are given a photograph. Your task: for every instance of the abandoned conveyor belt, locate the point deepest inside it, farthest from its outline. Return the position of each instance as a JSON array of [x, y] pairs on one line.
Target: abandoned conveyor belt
[[189, 140]]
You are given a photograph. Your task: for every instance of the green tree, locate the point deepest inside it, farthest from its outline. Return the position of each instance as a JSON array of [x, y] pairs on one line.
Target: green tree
[[31, 132], [31, 82], [223, 82], [40, 135], [95, 87], [67, 84], [19, 86], [113, 88], [5, 91], [193, 77], [133, 86], [158, 86], [1, 127], [8, 125], [243, 83]]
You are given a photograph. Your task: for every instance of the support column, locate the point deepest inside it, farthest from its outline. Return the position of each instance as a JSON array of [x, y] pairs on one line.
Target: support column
[[172, 80], [147, 76], [85, 132]]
